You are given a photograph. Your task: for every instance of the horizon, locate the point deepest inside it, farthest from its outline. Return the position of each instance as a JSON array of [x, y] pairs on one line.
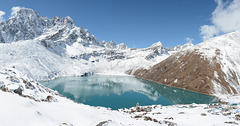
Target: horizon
[[143, 24]]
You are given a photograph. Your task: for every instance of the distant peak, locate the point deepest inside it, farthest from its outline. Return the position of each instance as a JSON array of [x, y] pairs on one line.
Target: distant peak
[[111, 41], [157, 44], [122, 46], [189, 44], [21, 11], [68, 19], [110, 44]]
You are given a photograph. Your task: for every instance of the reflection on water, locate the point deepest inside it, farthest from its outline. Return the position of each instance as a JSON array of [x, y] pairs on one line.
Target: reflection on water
[[122, 91]]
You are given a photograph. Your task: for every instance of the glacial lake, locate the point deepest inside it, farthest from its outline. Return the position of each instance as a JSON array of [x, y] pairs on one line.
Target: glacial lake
[[122, 91]]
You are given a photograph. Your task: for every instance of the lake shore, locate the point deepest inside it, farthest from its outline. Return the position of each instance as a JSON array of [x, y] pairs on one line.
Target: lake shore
[[188, 114]]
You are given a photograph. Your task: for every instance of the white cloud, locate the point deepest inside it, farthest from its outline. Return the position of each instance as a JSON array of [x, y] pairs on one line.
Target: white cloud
[[15, 10], [208, 31], [225, 18], [1, 16], [189, 40]]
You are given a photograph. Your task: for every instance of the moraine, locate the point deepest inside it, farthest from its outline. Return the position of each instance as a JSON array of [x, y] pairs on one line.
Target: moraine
[[118, 92]]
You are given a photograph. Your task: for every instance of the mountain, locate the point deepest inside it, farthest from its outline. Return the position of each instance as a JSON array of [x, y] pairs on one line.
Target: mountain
[[26, 24], [211, 67], [44, 48], [35, 48]]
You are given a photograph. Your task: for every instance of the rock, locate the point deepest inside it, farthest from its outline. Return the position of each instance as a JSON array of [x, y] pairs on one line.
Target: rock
[[5, 89], [18, 91], [66, 124], [169, 118], [155, 120], [147, 118], [156, 113], [169, 123], [138, 116], [50, 99], [231, 122], [237, 117], [226, 114], [102, 123]]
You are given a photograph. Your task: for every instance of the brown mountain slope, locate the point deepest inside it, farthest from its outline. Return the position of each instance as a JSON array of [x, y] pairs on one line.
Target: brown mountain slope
[[189, 70]]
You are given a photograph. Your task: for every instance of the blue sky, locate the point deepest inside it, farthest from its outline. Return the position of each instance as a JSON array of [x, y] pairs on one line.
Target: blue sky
[[138, 23]]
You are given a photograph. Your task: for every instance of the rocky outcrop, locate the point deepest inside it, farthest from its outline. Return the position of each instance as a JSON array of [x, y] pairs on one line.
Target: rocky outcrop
[[15, 82], [110, 45]]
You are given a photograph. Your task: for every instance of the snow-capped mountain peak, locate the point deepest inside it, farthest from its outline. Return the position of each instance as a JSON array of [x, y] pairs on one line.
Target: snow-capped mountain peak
[[157, 44], [122, 46], [111, 45], [21, 12], [25, 24]]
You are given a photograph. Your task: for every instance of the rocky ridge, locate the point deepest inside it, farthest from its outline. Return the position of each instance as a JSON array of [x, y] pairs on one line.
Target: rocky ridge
[[211, 67]]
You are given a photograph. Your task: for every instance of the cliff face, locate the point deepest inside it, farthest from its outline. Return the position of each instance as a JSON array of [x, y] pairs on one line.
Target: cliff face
[[210, 67]]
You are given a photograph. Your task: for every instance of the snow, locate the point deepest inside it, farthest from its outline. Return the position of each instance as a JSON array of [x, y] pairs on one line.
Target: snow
[[57, 113], [186, 115], [225, 49], [41, 63], [175, 81], [37, 62], [51, 48]]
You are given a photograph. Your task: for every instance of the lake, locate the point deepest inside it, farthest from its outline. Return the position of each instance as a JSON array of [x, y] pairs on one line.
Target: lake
[[122, 91]]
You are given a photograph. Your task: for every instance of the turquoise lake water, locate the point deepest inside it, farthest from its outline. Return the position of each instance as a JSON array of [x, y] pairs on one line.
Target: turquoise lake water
[[122, 91]]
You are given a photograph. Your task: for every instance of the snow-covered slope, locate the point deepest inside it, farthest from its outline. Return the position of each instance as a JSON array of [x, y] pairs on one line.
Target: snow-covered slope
[[29, 103], [12, 80], [211, 67], [37, 62], [224, 50]]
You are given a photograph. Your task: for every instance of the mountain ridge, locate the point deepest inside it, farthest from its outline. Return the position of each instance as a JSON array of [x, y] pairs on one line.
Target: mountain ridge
[[211, 67], [46, 48], [81, 53]]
